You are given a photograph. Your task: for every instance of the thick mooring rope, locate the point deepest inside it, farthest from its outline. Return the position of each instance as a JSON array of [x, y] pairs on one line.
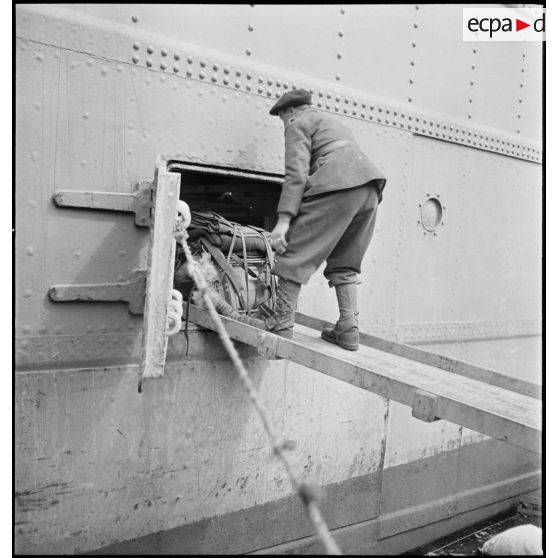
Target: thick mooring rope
[[306, 492]]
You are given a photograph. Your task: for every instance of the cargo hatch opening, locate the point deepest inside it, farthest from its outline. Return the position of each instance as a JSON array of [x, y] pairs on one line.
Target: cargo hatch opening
[[231, 208], [243, 196]]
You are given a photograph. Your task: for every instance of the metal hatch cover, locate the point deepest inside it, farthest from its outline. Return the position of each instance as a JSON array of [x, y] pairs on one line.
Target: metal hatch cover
[[160, 268], [146, 291]]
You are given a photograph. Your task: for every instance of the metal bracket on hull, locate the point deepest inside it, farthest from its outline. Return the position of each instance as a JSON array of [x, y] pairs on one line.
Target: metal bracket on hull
[[140, 203], [132, 291]]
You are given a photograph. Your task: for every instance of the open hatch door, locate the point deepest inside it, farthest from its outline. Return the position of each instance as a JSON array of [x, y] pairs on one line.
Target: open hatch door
[[159, 293], [147, 291]]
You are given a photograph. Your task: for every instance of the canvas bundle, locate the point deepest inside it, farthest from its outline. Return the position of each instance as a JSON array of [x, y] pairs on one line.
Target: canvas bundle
[[241, 255]]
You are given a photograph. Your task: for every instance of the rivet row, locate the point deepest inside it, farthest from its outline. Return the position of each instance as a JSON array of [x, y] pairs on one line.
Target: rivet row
[[491, 143]]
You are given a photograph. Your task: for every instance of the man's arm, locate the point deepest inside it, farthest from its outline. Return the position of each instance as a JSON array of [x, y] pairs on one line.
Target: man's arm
[[297, 167]]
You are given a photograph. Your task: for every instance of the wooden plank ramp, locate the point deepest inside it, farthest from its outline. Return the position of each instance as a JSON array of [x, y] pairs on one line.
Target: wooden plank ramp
[[432, 392], [439, 361]]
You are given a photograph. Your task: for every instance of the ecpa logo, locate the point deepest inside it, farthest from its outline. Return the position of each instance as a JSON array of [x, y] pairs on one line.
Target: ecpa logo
[[503, 24]]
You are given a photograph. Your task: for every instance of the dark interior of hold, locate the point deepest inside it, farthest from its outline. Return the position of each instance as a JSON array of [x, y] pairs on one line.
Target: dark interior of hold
[[244, 200]]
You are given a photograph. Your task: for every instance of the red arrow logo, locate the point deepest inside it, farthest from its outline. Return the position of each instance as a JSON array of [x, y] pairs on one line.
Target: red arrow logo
[[519, 25]]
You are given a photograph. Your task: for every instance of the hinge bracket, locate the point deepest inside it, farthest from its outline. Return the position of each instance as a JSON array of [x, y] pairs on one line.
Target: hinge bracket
[[140, 202], [132, 291]]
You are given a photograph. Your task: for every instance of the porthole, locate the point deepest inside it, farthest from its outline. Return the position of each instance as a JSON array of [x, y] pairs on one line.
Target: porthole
[[431, 213]]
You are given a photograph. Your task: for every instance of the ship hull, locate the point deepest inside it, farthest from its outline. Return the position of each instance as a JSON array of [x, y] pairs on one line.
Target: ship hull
[[454, 268]]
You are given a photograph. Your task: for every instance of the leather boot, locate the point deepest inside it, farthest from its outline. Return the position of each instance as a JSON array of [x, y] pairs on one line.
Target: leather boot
[[282, 320], [345, 332]]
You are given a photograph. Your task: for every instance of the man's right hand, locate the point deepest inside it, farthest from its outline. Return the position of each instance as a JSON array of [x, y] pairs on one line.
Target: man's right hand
[[277, 237]]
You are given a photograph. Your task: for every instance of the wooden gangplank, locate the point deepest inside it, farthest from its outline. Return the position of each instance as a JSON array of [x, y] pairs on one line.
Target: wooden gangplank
[[481, 373], [432, 392]]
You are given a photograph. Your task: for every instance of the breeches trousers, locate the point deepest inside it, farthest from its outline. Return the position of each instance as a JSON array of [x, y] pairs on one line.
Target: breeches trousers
[[335, 227]]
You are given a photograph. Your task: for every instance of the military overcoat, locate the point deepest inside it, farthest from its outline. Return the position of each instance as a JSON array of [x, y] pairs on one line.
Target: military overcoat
[[321, 156]]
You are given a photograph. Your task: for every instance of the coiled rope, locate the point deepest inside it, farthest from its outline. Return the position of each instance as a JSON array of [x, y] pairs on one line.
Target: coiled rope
[[306, 492]]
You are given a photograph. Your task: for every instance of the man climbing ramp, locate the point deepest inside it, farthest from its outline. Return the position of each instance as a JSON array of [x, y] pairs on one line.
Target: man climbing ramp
[[326, 212]]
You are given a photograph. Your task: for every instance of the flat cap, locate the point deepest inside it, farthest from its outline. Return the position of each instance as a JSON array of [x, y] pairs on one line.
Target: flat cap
[[291, 99]]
